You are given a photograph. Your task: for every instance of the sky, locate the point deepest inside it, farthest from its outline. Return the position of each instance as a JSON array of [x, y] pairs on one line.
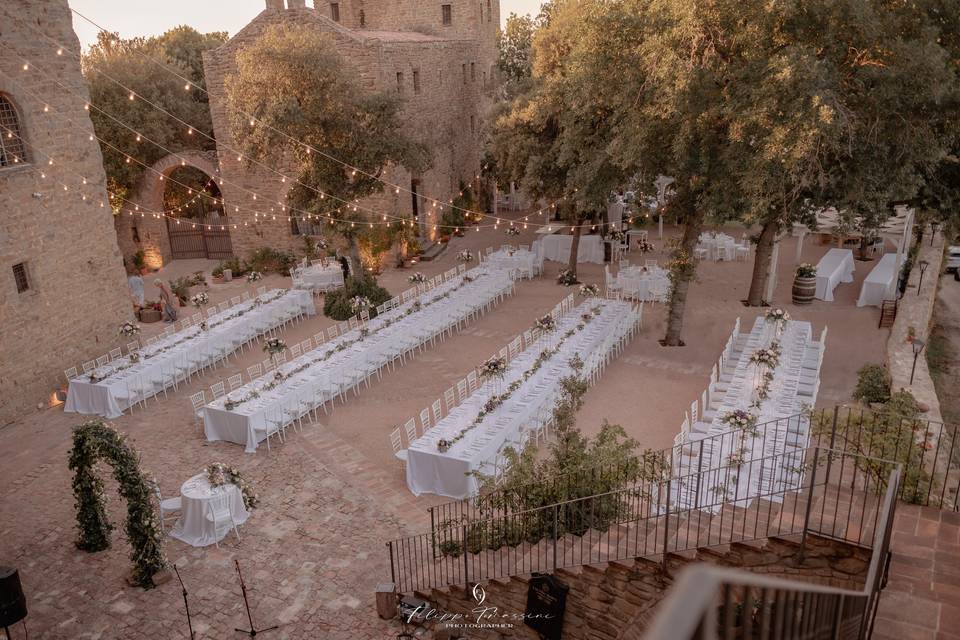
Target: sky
[[149, 17]]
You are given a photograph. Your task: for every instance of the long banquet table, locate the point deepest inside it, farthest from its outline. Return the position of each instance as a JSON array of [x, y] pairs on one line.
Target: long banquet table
[[557, 248], [316, 374], [835, 266], [448, 473], [878, 282], [111, 389]]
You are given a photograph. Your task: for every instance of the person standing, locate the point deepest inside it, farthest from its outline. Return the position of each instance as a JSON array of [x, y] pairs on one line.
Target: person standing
[[135, 282], [168, 299]]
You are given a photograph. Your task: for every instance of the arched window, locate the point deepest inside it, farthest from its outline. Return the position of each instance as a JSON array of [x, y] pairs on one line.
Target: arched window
[[12, 149]]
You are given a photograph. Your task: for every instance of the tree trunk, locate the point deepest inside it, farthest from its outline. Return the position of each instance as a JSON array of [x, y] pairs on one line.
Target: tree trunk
[[574, 248], [681, 285], [761, 263], [356, 266]]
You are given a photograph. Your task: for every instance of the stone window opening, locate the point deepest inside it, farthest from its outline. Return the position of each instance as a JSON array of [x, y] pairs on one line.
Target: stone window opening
[[416, 82], [473, 72], [489, 12], [363, 18], [399, 81], [12, 149], [335, 11], [447, 12], [21, 277], [464, 69], [473, 125]]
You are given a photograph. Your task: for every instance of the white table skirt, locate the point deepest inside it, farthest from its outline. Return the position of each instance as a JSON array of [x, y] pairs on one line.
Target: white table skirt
[[240, 425], [714, 243], [637, 284], [878, 282], [111, 396], [194, 527], [557, 248], [446, 473], [319, 277], [835, 266], [522, 260]]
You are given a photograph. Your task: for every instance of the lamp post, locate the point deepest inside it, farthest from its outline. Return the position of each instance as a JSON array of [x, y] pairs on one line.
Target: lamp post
[[933, 231], [918, 346], [923, 267]]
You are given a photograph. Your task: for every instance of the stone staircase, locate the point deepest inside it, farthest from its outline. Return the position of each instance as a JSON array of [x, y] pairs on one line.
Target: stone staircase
[[615, 600], [433, 251]]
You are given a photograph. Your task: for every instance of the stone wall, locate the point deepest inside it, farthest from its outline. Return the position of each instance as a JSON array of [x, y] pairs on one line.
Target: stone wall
[[77, 292], [446, 81], [616, 601]]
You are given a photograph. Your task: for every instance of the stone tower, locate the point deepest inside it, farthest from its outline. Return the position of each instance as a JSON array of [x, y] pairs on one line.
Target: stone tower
[[440, 56], [63, 290]]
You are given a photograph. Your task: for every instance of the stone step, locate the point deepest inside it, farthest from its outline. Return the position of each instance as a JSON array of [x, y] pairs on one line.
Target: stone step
[[433, 251]]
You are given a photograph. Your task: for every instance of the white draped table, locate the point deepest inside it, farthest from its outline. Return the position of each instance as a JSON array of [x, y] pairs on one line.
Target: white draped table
[[640, 283], [116, 384], [312, 376], [520, 259], [194, 527], [878, 282], [835, 266], [317, 276], [557, 248], [447, 473], [714, 242]]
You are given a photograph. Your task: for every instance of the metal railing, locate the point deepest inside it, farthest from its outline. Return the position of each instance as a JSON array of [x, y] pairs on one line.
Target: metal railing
[[836, 494], [710, 602]]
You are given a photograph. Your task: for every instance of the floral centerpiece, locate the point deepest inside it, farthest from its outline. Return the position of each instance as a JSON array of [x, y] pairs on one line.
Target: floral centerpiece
[[513, 231], [219, 474], [589, 290], [274, 347], [740, 419], [134, 357], [129, 329], [616, 235], [546, 324], [495, 367], [199, 299], [203, 326], [254, 276], [417, 278], [566, 277], [777, 315], [806, 270], [465, 256], [443, 445], [359, 304], [644, 246], [767, 357]]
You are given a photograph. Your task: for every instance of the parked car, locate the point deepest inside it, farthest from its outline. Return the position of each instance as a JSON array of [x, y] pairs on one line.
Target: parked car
[[953, 258]]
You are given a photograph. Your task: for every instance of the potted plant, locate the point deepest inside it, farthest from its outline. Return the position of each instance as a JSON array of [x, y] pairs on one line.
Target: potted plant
[[805, 284], [150, 312]]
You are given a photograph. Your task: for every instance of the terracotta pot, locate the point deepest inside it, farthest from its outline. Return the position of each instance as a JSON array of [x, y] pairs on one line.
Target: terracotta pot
[[804, 289]]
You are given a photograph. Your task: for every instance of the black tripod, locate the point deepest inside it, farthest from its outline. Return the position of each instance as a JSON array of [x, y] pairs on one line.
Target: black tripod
[[252, 631], [186, 604]]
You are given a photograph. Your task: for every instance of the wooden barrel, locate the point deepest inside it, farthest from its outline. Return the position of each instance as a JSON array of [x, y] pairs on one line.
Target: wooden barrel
[[804, 290]]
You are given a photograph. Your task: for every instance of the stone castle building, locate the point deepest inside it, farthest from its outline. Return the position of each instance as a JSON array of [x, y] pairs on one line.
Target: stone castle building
[[439, 55], [63, 290]]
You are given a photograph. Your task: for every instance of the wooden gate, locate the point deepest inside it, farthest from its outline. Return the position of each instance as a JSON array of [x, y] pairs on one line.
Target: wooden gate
[[193, 238]]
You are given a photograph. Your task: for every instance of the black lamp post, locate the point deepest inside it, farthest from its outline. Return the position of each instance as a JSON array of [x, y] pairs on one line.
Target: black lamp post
[[923, 267], [918, 346], [933, 231]]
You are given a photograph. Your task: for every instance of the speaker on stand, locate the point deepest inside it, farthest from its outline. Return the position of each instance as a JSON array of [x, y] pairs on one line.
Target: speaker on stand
[[13, 604]]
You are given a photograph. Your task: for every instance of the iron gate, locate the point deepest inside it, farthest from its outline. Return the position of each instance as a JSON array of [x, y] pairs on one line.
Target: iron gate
[[202, 237]]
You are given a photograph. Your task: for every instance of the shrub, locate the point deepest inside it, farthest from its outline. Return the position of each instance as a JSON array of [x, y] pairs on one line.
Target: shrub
[[266, 260], [337, 303], [139, 260], [181, 288], [873, 384]]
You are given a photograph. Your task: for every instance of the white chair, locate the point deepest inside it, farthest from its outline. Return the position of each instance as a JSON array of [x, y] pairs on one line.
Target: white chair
[[198, 400], [219, 509], [235, 381], [425, 420], [235, 300], [449, 399], [133, 346], [103, 360], [700, 252], [461, 390], [295, 351], [218, 390], [70, 374], [254, 371], [166, 507], [398, 451], [437, 413], [115, 353]]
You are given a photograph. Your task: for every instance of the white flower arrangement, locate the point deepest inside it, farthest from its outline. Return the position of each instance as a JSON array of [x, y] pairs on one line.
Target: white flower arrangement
[[199, 299], [274, 346], [806, 270], [465, 256], [129, 329], [254, 276], [219, 474], [513, 231], [566, 277], [644, 246], [777, 315], [546, 323], [616, 235], [589, 290], [740, 419], [495, 367], [417, 278], [359, 303], [766, 357]]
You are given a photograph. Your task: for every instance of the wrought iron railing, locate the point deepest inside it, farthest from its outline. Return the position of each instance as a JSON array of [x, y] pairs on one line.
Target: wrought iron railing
[[837, 495], [710, 602]]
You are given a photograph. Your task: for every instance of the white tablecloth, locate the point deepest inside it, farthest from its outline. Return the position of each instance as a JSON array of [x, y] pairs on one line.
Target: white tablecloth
[[638, 282], [109, 397], [713, 242], [834, 267], [194, 527], [318, 277], [878, 282], [557, 248], [244, 424], [444, 473], [521, 259]]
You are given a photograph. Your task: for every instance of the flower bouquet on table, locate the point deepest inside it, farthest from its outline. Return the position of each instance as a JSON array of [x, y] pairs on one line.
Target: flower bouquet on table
[[465, 256], [766, 357], [199, 299], [274, 347], [546, 324], [417, 278], [219, 474], [644, 246], [616, 235], [134, 357], [359, 304], [129, 329], [740, 419], [443, 445], [806, 270], [589, 290], [254, 276], [203, 326], [567, 278], [513, 231], [495, 367]]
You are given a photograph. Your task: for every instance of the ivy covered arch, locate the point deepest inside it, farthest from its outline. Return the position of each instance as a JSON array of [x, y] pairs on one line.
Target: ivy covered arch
[[94, 441]]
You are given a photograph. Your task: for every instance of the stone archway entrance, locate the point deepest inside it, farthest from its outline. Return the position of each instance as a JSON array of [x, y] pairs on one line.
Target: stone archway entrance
[[163, 238]]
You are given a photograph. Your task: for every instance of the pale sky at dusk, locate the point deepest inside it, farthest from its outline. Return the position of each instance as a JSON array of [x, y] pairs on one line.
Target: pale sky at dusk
[[149, 17]]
